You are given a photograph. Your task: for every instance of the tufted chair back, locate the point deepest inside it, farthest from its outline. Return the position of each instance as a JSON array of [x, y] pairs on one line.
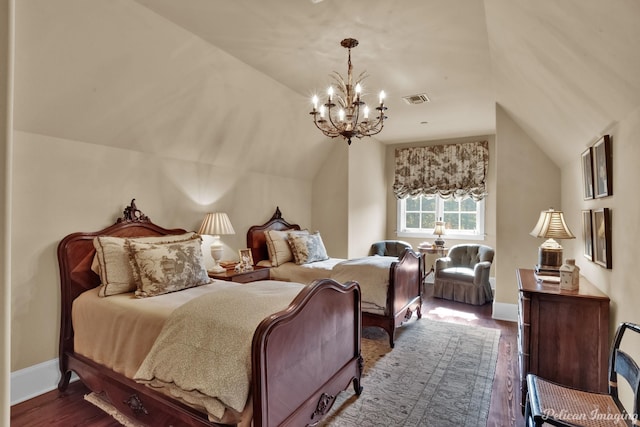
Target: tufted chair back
[[389, 248], [468, 255]]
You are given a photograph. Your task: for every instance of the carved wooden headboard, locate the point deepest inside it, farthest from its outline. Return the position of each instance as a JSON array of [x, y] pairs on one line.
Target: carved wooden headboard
[[256, 240]]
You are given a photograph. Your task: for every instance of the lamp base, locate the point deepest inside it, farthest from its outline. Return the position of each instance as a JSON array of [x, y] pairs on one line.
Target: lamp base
[[216, 269], [549, 261], [439, 242]]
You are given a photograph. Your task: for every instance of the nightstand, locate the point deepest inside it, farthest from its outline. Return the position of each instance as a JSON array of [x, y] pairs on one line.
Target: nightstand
[[258, 273]]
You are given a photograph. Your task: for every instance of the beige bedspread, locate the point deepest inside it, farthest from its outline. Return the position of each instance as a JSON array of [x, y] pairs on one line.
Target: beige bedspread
[[305, 273], [203, 353], [372, 273]]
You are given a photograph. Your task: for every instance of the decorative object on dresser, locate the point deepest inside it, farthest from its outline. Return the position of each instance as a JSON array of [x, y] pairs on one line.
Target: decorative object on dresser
[[569, 275], [551, 403], [550, 226], [602, 167], [463, 275], [602, 237], [351, 119], [439, 230], [214, 224], [301, 396], [563, 336]]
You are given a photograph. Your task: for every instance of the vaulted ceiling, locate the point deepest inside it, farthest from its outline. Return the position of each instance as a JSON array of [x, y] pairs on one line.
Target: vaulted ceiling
[[564, 70]]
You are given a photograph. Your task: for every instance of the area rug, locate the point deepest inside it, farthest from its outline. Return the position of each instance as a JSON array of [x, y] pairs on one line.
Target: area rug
[[438, 375]]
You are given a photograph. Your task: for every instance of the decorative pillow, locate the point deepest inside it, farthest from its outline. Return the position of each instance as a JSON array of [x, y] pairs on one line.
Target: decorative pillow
[[111, 261], [307, 248], [278, 246], [167, 267]]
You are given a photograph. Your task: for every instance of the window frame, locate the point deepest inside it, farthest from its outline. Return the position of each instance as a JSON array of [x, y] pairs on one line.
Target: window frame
[[478, 234]]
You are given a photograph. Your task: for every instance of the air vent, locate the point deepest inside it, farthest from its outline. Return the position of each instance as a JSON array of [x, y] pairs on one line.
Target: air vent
[[416, 99]]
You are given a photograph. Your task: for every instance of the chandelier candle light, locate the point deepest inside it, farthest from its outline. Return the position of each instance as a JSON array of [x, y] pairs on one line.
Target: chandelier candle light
[[215, 224], [348, 118]]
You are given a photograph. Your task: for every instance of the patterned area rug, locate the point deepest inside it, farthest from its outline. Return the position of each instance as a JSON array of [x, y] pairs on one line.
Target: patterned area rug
[[438, 375]]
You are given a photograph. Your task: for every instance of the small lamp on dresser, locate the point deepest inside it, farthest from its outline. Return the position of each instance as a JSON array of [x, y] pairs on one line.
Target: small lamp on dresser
[[216, 224], [550, 226]]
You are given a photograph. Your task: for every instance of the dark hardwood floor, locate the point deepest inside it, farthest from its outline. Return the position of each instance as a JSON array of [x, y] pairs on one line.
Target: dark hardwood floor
[[70, 409]]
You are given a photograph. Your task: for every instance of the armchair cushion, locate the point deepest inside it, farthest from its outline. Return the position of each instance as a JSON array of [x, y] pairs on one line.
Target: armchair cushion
[[463, 275], [389, 248]]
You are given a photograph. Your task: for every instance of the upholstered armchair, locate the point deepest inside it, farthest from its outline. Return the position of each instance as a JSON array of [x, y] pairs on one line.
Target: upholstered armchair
[[463, 275], [389, 248]]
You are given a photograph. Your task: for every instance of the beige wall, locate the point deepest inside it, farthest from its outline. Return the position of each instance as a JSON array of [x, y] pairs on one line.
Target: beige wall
[[349, 196], [620, 282], [367, 195], [159, 115], [6, 64], [527, 182], [330, 202]]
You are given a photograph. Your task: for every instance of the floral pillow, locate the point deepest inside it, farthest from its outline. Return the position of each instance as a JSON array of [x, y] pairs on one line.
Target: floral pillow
[[278, 246], [307, 248], [111, 261], [167, 267]]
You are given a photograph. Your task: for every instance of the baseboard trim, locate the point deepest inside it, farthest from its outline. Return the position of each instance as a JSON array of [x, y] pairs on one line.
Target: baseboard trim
[[35, 380], [503, 311]]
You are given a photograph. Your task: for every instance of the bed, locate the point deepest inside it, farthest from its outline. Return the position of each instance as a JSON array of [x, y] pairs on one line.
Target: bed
[[298, 364], [403, 276]]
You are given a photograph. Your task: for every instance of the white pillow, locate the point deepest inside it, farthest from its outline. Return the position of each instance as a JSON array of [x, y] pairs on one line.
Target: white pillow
[[307, 249], [112, 261], [278, 246]]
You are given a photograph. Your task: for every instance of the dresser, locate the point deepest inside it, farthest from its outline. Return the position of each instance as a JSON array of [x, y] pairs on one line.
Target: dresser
[[563, 336]]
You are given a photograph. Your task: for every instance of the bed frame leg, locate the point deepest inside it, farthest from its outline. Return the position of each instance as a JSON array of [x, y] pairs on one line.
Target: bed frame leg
[[357, 387], [64, 381]]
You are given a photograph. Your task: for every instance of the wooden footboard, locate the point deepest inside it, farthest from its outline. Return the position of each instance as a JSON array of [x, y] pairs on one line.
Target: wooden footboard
[[404, 295], [303, 357]]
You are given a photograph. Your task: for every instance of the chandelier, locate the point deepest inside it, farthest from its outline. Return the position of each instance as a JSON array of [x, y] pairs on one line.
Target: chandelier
[[345, 114]]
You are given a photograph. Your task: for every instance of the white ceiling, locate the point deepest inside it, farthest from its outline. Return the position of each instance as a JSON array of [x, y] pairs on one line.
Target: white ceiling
[[414, 46], [564, 70]]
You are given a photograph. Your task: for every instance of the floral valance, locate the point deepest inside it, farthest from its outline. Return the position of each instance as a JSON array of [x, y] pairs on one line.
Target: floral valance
[[453, 170]]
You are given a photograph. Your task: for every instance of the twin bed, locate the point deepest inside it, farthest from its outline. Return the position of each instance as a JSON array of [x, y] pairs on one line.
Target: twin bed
[[391, 287], [291, 349], [296, 364]]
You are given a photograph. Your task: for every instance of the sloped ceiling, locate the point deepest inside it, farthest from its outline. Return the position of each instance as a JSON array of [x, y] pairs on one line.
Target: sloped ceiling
[[98, 71]]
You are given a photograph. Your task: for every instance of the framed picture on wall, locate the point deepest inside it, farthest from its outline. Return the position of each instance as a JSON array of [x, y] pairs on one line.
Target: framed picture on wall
[[587, 235], [602, 173], [587, 174], [601, 231]]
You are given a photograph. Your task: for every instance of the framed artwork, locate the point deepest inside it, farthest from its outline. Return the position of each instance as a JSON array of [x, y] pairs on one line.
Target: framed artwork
[[587, 235], [601, 231], [245, 257], [602, 184], [587, 174]]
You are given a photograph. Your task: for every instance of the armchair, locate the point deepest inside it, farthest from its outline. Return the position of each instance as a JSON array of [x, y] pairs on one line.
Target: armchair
[[463, 275], [389, 248]]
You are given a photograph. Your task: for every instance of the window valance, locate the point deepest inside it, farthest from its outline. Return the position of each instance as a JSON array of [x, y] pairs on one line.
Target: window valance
[[453, 170]]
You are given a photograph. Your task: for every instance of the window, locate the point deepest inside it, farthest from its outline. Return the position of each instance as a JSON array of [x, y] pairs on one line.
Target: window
[[464, 218]]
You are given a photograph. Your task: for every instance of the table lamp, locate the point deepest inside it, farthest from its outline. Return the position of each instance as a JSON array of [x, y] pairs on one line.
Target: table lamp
[[550, 226], [215, 224], [439, 231]]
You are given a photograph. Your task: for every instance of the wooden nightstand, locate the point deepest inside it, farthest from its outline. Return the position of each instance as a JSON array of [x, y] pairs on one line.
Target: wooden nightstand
[[258, 273]]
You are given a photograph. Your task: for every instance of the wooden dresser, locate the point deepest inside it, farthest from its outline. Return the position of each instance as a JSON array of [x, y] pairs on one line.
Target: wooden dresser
[[563, 336]]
